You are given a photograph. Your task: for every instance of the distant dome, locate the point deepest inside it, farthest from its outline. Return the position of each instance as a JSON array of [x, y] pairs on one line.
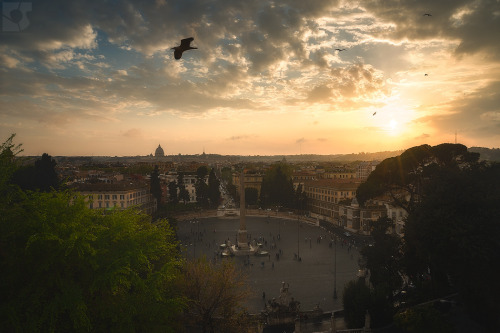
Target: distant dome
[[159, 152]]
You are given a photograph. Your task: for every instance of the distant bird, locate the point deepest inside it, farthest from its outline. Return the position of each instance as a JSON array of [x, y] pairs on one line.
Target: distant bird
[[340, 50], [427, 14], [185, 45], [426, 74], [374, 113]]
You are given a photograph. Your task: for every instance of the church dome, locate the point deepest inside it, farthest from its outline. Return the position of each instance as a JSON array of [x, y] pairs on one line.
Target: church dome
[[159, 152]]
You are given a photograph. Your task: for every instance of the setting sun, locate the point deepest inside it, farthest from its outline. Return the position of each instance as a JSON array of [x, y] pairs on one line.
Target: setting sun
[[393, 126]]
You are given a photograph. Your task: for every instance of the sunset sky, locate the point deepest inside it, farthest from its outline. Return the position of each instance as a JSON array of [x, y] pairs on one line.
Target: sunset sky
[[99, 77]]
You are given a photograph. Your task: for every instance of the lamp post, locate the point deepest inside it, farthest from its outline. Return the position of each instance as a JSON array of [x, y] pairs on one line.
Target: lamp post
[[298, 237], [335, 267], [196, 237]]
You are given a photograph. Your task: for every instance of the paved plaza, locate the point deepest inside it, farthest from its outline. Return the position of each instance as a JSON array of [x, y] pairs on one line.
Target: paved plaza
[[311, 279]]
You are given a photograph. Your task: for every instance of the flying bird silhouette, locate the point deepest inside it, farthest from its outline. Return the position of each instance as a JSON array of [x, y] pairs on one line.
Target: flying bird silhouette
[[340, 50], [426, 74], [185, 45], [374, 113], [427, 14]]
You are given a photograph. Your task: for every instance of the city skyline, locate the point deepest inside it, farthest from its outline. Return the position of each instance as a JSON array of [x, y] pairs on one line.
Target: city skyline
[[268, 78]]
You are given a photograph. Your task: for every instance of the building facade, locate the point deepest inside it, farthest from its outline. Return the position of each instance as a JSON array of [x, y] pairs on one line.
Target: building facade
[[251, 180], [189, 184], [119, 195], [334, 201], [365, 168]]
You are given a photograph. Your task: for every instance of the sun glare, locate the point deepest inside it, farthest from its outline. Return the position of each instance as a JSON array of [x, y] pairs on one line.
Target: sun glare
[[393, 125]]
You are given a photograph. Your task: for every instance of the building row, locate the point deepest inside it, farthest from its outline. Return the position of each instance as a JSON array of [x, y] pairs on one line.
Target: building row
[[334, 201], [118, 195]]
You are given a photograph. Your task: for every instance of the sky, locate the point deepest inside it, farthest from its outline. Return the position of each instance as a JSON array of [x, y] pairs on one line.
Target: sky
[[99, 77]]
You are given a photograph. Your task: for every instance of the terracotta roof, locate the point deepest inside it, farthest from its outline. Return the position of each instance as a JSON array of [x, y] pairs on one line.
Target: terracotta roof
[[106, 187], [333, 183]]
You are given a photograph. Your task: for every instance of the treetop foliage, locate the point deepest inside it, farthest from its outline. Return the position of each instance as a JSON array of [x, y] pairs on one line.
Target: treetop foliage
[[69, 268], [403, 176], [451, 237]]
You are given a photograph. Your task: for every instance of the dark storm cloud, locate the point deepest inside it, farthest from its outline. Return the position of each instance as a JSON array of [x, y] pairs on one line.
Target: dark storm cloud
[[474, 23], [251, 36], [149, 26]]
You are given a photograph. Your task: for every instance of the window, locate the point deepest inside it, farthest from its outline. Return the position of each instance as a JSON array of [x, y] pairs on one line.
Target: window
[[107, 204], [91, 206], [122, 197], [115, 197], [99, 197], [100, 204], [106, 197]]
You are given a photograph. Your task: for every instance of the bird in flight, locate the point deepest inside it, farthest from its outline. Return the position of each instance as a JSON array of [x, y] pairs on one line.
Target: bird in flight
[[374, 113], [426, 74], [427, 14], [185, 45], [340, 50]]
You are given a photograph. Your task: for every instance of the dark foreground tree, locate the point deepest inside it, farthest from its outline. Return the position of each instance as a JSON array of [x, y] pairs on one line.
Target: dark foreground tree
[[451, 240], [67, 268], [404, 177], [215, 294], [454, 234], [382, 257], [356, 300]]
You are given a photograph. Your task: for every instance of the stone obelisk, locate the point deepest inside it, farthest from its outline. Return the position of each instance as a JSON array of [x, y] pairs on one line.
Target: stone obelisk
[[242, 233]]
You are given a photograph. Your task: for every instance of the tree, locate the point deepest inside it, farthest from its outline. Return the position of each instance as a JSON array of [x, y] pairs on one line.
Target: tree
[[300, 198], [251, 195], [41, 176], [215, 294], [356, 300], [213, 189], [403, 177], [183, 193], [201, 186], [69, 268], [451, 232], [227, 175], [155, 186], [454, 235], [382, 257], [277, 186], [172, 192], [422, 319]]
